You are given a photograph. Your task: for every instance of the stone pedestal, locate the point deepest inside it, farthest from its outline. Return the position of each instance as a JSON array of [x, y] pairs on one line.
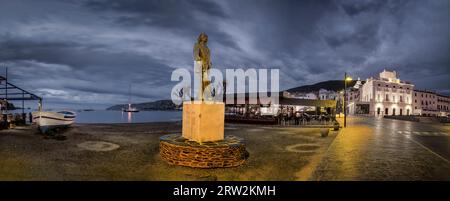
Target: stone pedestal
[[203, 121]]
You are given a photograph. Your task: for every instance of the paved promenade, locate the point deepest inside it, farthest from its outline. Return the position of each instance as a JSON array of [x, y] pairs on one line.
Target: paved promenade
[[385, 149]]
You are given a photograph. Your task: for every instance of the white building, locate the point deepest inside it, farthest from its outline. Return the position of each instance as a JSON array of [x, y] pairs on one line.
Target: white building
[[385, 95], [301, 95], [430, 103], [328, 94]]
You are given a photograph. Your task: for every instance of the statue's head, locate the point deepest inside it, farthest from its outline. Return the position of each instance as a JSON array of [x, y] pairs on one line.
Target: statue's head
[[202, 38]]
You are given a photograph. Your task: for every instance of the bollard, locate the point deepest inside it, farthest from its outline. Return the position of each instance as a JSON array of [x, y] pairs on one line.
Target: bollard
[[324, 132], [336, 126]]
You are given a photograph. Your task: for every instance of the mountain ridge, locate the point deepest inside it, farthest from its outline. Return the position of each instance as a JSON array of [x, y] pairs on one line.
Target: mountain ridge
[[331, 85], [167, 105]]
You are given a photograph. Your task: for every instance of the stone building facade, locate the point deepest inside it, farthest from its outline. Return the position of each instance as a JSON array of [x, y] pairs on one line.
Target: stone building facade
[[385, 95], [429, 103], [443, 105]]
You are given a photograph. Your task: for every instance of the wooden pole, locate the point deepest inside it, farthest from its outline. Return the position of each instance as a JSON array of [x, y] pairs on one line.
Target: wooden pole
[[6, 90]]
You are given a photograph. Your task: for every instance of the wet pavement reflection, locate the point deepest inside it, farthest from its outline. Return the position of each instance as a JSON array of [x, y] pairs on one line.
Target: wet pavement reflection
[[386, 149]]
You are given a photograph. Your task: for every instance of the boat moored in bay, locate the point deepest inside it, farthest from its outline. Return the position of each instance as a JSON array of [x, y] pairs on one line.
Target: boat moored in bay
[[130, 109]]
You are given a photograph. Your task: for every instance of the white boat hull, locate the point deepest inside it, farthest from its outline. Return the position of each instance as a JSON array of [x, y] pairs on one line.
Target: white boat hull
[[130, 109], [46, 120]]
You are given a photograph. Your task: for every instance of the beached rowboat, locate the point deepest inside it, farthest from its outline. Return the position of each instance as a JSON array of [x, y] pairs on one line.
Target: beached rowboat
[[47, 120]]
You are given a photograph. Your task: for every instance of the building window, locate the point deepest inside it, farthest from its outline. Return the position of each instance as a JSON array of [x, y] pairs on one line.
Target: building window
[[378, 111], [386, 111], [401, 98], [407, 112], [393, 111], [401, 112], [415, 101]]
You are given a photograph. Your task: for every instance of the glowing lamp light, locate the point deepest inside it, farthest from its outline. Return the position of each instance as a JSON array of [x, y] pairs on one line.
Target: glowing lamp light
[[348, 78]]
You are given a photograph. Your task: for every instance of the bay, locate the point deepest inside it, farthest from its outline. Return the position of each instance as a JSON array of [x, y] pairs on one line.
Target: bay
[[110, 116]]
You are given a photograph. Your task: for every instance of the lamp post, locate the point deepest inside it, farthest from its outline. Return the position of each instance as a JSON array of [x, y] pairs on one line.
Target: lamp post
[[346, 78], [341, 104]]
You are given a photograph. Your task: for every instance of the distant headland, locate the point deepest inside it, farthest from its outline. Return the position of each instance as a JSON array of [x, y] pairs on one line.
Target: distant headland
[[149, 106]]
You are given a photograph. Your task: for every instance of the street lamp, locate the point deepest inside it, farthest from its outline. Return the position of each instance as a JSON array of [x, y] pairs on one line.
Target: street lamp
[[346, 79], [341, 104]]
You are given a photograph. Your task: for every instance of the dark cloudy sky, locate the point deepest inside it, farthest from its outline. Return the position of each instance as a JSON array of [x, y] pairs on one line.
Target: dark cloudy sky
[[84, 53]]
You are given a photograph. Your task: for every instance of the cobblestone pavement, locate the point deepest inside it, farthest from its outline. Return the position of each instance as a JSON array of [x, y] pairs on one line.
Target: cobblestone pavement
[[386, 149]]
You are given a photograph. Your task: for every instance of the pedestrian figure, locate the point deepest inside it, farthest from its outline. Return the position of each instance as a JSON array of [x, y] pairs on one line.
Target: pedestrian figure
[[297, 118]]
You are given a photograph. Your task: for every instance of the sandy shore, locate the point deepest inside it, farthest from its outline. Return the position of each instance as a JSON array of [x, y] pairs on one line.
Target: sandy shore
[[131, 152]]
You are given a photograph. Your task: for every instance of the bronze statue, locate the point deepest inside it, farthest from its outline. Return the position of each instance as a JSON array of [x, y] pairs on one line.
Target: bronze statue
[[202, 54]]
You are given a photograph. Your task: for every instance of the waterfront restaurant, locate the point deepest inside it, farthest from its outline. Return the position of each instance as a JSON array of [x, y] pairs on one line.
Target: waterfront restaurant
[[256, 112]]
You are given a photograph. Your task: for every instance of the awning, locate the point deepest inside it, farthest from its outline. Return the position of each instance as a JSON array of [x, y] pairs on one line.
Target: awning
[[308, 102]]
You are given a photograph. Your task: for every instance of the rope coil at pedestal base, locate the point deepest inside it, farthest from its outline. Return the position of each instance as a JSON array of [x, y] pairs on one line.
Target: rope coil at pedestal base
[[176, 150]]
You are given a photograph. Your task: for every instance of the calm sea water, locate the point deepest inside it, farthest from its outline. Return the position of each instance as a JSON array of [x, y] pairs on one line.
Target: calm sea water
[[108, 116]]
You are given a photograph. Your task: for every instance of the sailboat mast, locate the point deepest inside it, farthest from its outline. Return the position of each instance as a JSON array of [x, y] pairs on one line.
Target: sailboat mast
[[129, 96]]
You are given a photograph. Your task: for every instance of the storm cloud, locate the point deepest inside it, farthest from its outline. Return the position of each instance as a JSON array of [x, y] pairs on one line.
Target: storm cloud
[[87, 53]]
